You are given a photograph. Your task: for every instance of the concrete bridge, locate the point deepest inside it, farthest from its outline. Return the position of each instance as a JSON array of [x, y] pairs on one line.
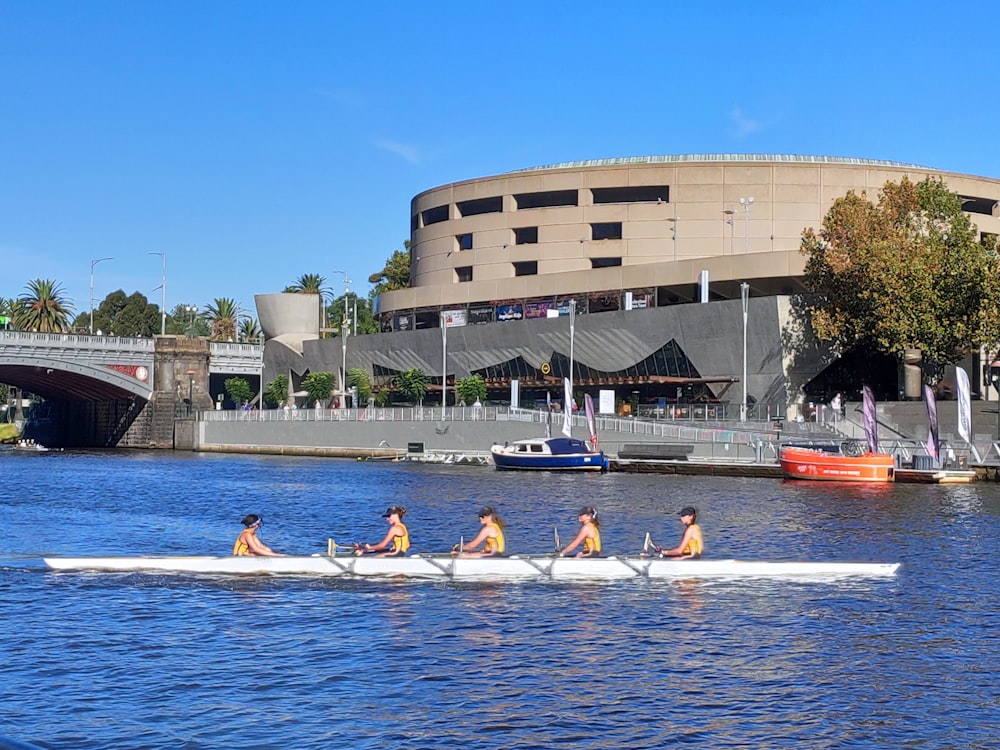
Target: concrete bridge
[[96, 389]]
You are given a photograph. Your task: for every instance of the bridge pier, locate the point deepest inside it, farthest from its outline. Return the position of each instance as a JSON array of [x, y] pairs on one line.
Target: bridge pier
[[180, 387]]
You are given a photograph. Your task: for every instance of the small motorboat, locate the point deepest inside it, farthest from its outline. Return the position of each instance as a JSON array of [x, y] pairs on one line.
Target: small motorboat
[[849, 461], [549, 454]]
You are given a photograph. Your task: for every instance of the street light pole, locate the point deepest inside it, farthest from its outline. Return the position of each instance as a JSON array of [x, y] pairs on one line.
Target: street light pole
[[745, 296], [746, 203], [92, 264], [344, 331], [731, 213], [444, 365], [163, 292]]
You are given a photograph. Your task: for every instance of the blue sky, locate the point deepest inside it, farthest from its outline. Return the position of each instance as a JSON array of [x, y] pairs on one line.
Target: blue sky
[[254, 142]]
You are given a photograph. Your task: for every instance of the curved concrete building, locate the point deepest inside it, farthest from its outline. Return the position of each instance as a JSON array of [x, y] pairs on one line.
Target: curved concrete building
[[626, 243], [633, 232]]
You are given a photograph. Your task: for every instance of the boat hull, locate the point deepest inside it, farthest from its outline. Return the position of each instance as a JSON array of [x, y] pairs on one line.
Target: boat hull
[[548, 454], [818, 465], [446, 567]]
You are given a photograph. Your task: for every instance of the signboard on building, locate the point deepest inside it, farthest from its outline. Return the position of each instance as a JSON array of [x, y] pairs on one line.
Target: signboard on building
[[480, 315], [539, 310], [454, 318], [606, 401], [509, 312], [402, 322]]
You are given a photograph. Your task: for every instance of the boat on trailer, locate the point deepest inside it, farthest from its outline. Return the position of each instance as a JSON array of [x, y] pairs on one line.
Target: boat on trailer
[[549, 454], [447, 567]]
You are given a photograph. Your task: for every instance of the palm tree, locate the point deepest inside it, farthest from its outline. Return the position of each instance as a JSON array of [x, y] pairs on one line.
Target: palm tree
[[223, 318], [43, 307], [249, 329], [312, 283]]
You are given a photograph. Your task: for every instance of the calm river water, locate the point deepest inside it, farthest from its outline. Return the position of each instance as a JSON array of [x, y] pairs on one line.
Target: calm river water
[[129, 661]]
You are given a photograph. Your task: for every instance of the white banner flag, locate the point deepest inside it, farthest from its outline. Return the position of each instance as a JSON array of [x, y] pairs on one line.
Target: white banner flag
[[964, 405], [567, 408]]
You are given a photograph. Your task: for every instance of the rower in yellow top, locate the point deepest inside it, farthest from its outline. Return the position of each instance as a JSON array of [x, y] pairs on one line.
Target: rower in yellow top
[[396, 542], [248, 543], [589, 535], [692, 544], [490, 536]]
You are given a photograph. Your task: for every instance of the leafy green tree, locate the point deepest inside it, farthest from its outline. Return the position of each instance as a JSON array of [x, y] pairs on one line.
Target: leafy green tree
[[395, 274], [276, 391], [358, 378], [471, 389], [412, 383], [43, 307], [319, 386], [7, 307], [124, 316], [366, 321], [187, 319], [384, 397], [906, 272], [238, 390], [223, 319]]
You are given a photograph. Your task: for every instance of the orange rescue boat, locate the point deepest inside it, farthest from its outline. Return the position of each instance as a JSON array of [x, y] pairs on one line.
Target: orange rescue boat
[[848, 462]]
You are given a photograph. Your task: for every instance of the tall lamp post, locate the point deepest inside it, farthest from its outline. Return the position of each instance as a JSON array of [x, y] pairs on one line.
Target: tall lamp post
[[731, 221], [746, 203], [92, 264], [344, 331], [745, 296], [163, 292], [444, 366]]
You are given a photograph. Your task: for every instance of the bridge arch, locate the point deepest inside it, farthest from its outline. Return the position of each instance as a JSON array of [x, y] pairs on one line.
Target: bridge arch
[[60, 380]]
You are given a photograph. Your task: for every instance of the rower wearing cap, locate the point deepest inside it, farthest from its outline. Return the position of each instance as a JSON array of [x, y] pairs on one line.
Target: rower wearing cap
[[248, 543], [691, 545], [490, 536], [589, 536], [396, 542]]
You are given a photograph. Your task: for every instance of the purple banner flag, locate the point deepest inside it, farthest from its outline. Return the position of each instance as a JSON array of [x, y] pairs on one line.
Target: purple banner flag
[[871, 422], [933, 444]]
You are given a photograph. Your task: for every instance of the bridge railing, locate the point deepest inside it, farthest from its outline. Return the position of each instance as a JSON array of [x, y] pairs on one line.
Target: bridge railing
[[24, 339]]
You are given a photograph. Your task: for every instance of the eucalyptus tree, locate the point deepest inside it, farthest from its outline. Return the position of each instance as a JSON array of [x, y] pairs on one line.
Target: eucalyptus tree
[[222, 316], [43, 307], [905, 272], [395, 274]]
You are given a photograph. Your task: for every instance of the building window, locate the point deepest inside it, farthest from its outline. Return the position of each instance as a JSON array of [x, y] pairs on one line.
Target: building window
[[526, 268], [464, 241], [414, 222], [605, 262], [435, 215], [639, 194], [463, 273], [610, 230], [973, 205], [526, 236], [548, 199], [480, 206]]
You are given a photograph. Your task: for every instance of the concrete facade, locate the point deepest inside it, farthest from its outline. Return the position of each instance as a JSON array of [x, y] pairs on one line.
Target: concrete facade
[[664, 219]]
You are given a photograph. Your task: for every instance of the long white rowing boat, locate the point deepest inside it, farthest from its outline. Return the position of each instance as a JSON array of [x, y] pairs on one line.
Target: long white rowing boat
[[461, 568]]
